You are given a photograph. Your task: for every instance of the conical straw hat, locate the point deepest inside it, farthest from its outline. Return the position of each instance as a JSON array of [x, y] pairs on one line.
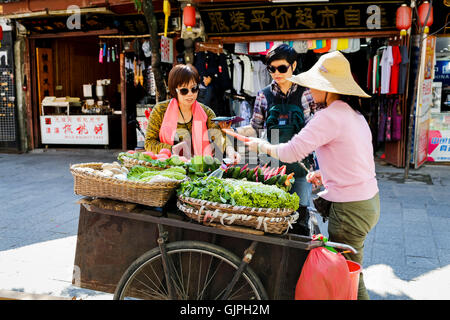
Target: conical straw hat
[[331, 73]]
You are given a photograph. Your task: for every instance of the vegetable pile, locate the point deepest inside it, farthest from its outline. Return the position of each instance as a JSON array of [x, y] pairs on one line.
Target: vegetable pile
[[163, 159], [136, 173], [147, 174], [239, 193], [264, 174]]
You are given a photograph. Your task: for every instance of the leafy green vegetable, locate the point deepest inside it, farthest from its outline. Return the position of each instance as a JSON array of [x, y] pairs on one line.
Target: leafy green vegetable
[[239, 192], [136, 171], [177, 169]]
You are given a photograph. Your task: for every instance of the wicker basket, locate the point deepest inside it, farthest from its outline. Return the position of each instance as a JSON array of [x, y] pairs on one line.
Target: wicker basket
[[129, 163], [213, 215], [227, 208], [146, 193]]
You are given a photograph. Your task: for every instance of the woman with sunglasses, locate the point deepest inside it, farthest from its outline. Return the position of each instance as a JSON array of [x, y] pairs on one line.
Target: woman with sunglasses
[[343, 142], [278, 109], [182, 124]]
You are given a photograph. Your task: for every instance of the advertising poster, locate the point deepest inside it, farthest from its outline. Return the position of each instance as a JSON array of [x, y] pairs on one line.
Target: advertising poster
[[424, 102], [439, 146]]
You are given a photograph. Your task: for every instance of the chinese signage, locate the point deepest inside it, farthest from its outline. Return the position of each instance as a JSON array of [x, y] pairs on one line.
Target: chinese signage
[[299, 18], [166, 49], [86, 129], [127, 24]]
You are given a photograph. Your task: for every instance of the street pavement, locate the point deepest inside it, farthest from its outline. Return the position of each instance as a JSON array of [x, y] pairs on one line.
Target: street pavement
[[407, 255]]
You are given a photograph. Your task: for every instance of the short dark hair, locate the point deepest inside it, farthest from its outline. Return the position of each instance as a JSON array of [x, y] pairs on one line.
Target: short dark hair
[[281, 52], [182, 74]]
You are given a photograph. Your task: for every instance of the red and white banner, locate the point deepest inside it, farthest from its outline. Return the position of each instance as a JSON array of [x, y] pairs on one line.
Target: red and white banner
[[81, 129]]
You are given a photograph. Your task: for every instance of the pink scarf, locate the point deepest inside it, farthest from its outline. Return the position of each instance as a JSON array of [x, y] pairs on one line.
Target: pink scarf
[[200, 137]]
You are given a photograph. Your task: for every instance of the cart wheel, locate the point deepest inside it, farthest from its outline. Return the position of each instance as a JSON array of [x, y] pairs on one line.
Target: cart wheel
[[201, 271]]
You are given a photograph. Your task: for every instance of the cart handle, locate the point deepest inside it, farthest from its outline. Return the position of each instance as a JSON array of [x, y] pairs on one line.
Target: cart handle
[[341, 246]]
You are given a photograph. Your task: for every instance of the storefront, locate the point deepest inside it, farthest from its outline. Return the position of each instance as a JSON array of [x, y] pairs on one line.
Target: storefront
[[9, 133], [79, 67], [430, 132], [439, 131], [240, 36]]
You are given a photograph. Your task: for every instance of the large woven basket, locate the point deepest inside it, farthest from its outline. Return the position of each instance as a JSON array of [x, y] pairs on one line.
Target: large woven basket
[[146, 193], [212, 215], [129, 163], [266, 212]]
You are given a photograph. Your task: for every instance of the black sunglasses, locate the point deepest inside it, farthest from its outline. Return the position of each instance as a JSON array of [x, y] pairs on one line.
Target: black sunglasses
[[281, 69], [185, 91]]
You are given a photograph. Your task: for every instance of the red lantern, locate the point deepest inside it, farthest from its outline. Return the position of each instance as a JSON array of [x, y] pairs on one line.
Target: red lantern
[[423, 11], [403, 19], [189, 16]]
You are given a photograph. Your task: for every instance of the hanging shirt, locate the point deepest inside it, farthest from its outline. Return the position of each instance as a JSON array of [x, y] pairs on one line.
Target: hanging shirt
[[386, 65], [342, 44], [369, 74], [397, 59], [247, 85], [378, 73], [258, 68], [354, 45], [245, 112], [237, 75], [374, 74], [333, 46], [261, 77], [403, 70], [301, 46]]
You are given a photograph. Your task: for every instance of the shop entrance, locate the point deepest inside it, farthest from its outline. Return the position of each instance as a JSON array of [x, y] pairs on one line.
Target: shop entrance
[[76, 97], [385, 111]]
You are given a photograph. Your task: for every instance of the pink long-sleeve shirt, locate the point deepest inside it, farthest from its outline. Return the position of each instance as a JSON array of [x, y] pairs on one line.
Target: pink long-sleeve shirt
[[342, 140]]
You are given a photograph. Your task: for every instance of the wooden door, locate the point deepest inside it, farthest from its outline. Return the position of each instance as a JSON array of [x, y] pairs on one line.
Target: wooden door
[[44, 66]]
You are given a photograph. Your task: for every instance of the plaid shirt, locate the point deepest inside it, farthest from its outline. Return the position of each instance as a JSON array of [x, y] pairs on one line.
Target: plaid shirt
[[260, 108]]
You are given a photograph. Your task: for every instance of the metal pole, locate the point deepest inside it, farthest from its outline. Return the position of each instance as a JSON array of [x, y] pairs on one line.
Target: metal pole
[[416, 84]]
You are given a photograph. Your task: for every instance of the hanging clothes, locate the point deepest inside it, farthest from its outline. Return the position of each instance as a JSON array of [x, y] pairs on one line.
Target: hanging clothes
[[396, 121], [342, 44], [237, 74], [301, 46], [223, 75], [403, 70], [247, 85], [396, 60], [369, 74], [261, 77], [374, 74], [386, 64]]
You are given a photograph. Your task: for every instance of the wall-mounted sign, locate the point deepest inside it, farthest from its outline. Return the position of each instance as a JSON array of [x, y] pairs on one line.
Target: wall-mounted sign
[[127, 24], [166, 49], [82, 129], [299, 18]]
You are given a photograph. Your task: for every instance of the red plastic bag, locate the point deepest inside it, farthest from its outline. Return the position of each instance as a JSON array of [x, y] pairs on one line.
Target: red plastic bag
[[325, 276]]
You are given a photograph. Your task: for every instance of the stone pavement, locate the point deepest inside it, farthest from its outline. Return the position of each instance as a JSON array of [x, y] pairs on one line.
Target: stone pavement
[[407, 255]]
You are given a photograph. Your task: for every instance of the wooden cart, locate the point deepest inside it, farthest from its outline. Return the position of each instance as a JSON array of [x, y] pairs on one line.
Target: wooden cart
[[110, 240]]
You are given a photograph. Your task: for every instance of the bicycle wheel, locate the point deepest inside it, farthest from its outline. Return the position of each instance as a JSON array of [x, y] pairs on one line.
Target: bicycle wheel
[[201, 271]]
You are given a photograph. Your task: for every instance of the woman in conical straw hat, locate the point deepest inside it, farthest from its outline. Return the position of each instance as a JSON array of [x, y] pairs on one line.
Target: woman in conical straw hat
[[342, 140]]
